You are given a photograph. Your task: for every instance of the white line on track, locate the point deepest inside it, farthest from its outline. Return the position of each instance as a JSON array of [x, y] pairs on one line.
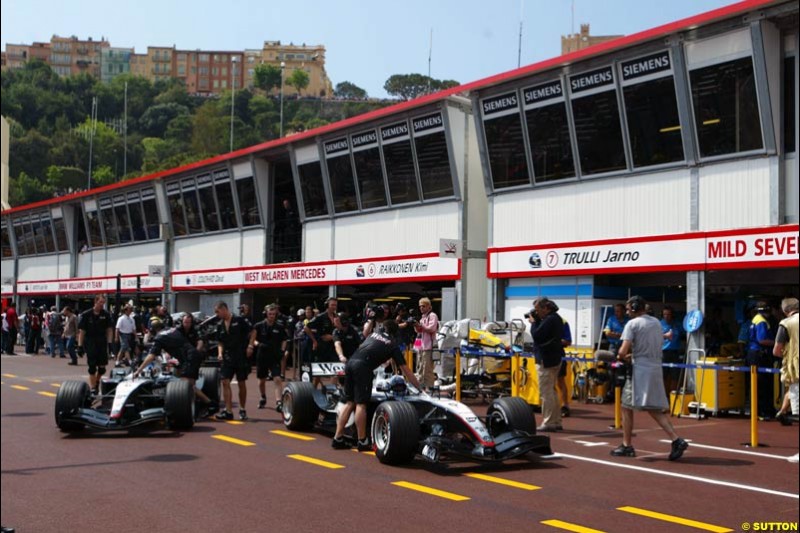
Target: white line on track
[[590, 444], [732, 450], [681, 476]]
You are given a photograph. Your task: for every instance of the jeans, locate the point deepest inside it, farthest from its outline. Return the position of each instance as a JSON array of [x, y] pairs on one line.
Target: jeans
[[56, 341], [71, 349]]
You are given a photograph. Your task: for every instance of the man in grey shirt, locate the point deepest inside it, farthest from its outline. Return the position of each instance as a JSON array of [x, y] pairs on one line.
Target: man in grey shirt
[[644, 388]]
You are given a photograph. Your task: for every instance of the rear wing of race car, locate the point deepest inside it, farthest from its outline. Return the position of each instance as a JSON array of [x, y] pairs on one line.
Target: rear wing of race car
[[321, 370]]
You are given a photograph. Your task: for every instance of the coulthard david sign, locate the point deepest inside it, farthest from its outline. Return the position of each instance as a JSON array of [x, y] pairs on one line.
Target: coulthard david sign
[[765, 247]]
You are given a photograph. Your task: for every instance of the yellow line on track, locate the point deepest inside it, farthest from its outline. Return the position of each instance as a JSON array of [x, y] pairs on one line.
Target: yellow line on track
[[292, 435], [318, 462], [34, 380], [365, 453], [570, 527], [9, 375], [19, 387], [674, 519], [48, 394], [56, 384], [501, 481], [235, 422], [233, 441], [431, 491]]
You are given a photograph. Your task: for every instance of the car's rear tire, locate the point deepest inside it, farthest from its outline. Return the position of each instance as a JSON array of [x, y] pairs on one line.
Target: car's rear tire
[[510, 413], [71, 395], [210, 377], [299, 408], [179, 404], [395, 432]]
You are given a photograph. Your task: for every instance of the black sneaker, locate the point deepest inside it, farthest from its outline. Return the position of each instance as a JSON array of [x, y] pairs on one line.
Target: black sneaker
[[279, 407], [783, 419], [623, 451], [262, 403], [224, 415], [212, 408], [242, 415], [678, 447], [364, 446], [340, 444], [565, 412]]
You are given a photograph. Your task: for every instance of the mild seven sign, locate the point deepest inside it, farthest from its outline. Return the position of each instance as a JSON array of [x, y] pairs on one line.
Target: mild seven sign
[[542, 93], [499, 104], [591, 80], [645, 66]]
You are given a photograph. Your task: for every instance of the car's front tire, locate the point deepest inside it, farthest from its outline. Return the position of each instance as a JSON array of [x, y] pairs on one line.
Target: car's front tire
[[510, 413], [179, 404], [71, 395], [211, 382], [299, 408], [395, 432]]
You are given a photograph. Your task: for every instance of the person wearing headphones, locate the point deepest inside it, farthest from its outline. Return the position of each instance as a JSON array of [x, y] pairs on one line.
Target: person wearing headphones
[[644, 390], [759, 354]]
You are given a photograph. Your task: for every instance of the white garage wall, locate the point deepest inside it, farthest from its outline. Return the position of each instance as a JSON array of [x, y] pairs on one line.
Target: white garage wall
[[227, 250], [735, 194]]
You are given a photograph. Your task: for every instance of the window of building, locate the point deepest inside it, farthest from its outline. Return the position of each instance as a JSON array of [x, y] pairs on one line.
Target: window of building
[[203, 58], [123, 220], [340, 174], [789, 92], [138, 226], [651, 110], [181, 57], [726, 108], [191, 205], [248, 201], [176, 215], [109, 224], [222, 188], [433, 159], [208, 205], [399, 159], [43, 228], [224, 71], [61, 235], [216, 84], [93, 224], [214, 71], [368, 169], [224, 84], [312, 189], [203, 83], [504, 141], [181, 70], [597, 121], [548, 132], [20, 237], [150, 214], [5, 238]]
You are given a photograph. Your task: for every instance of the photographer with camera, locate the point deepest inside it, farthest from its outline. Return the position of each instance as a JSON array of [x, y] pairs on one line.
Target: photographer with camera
[[375, 315], [644, 389]]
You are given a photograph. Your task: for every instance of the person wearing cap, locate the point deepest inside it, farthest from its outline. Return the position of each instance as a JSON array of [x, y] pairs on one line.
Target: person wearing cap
[[759, 353], [269, 340]]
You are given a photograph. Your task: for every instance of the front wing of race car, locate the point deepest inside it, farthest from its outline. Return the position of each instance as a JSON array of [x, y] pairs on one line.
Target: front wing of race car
[[101, 420], [502, 448]]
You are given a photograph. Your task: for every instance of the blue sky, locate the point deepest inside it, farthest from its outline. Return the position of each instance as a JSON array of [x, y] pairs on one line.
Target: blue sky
[[366, 41]]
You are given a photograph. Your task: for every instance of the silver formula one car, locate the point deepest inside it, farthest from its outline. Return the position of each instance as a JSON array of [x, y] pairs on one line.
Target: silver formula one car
[[407, 423], [125, 401]]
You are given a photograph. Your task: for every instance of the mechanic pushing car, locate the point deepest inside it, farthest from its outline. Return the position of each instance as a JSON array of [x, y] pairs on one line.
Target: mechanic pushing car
[[269, 340], [177, 345], [376, 350]]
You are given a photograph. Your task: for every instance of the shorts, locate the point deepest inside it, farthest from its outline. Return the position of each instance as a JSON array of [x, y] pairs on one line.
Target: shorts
[[268, 361], [794, 396], [190, 366], [562, 372], [358, 381], [234, 367], [126, 342], [97, 354], [325, 353]]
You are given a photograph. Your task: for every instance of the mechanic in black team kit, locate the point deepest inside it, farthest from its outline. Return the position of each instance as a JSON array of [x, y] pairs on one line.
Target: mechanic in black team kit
[[346, 338], [269, 339], [320, 333], [177, 344], [95, 333], [233, 333], [373, 352]]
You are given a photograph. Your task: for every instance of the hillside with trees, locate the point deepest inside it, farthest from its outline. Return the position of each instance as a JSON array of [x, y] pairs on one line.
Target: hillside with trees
[[51, 127]]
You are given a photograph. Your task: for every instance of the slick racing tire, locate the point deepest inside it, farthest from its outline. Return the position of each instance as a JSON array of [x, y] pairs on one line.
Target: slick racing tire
[[71, 396], [395, 432], [179, 404], [210, 376], [299, 408], [510, 413]]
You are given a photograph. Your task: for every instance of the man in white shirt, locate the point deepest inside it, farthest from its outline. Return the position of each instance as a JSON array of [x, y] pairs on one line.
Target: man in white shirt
[[125, 334]]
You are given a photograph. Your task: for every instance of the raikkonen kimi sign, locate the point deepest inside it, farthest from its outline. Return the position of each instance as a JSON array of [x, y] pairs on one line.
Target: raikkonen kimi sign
[[761, 247]]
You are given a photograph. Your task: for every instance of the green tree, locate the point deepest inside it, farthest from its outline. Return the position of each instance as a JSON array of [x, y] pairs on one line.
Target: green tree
[[410, 86], [267, 77], [30, 154], [25, 189], [299, 80], [349, 91], [154, 121], [65, 179], [210, 130]]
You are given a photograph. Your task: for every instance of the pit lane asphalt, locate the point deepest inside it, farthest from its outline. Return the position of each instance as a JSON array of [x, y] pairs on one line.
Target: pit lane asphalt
[[160, 480]]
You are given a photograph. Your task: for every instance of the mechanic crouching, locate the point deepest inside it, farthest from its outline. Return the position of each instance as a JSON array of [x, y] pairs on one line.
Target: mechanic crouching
[[376, 350], [174, 342]]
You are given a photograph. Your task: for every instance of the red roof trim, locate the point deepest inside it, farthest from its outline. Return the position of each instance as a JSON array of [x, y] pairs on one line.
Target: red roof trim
[[558, 61]]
